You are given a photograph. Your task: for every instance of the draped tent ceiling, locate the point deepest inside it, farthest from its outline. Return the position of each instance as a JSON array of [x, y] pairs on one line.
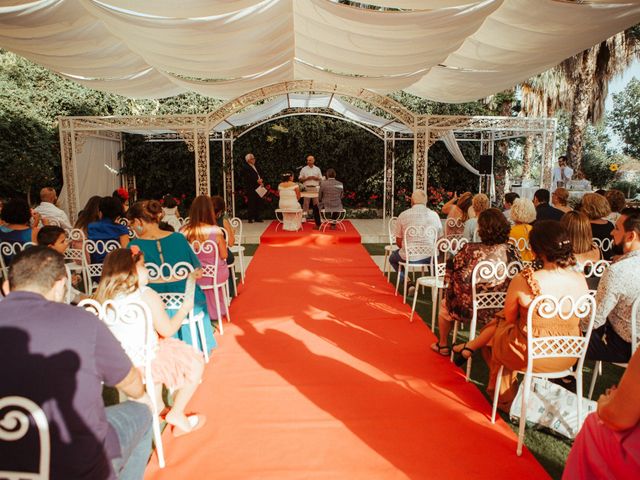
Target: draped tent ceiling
[[444, 50]]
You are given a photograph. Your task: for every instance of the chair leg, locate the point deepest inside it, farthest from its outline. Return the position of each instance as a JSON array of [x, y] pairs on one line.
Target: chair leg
[[227, 298], [454, 337], [406, 282], [241, 266], [596, 370], [434, 305], [235, 281], [155, 425], [216, 292], [496, 394], [203, 338], [579, 396], [398, 278], [192, 331], [413, 307], [384, 265], [526, 388]]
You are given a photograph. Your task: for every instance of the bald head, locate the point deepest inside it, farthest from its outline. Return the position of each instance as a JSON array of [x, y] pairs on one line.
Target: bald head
[[418, 197], [48, 194]]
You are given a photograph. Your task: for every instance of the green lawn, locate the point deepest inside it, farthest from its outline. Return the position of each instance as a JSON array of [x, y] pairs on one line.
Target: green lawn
[[550, 450]]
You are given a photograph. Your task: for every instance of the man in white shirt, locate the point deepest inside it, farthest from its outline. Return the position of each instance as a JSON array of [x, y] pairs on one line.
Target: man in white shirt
[[561, 174], [310, 177], [618, 288], [417, 216], [49, 212]]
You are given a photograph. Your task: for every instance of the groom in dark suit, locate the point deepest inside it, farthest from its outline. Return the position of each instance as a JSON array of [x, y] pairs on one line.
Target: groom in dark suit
[[251, 180]]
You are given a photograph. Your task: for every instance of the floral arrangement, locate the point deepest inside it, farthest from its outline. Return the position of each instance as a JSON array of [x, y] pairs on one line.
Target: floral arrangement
[[437, 197], [614, 167], [123, 194]]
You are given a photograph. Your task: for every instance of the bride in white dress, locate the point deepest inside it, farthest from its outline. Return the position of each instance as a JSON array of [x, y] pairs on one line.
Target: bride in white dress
[[289, 200]]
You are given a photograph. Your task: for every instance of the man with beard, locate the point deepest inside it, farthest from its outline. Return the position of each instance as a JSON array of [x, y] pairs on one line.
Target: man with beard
[[617, 290]]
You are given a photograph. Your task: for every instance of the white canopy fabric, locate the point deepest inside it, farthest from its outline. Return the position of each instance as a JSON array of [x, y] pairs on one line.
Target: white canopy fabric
[[444, 50], [266, 110]]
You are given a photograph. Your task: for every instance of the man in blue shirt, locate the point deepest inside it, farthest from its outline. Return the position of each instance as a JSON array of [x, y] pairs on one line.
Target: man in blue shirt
[[59, 356]]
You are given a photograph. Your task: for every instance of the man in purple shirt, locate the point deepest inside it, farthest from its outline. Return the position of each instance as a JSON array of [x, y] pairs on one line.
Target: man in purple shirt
[[59, 356]]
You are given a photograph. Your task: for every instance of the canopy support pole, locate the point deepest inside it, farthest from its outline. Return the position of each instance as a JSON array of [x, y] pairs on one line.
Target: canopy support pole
[[389, 175]]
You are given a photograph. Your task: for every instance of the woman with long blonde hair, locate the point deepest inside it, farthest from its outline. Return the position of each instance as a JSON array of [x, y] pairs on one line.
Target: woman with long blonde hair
[[174, 363], [203, 226]]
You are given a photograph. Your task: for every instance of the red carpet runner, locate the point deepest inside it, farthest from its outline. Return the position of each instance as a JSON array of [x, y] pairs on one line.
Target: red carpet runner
[[320, 375]]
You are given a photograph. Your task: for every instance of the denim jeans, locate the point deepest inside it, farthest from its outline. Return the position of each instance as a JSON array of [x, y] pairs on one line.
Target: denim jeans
[[395, 259], [132, 421]]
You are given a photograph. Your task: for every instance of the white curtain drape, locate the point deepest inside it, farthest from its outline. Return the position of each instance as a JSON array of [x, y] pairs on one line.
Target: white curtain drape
[[445, 50], [449, 139], [97, 167]]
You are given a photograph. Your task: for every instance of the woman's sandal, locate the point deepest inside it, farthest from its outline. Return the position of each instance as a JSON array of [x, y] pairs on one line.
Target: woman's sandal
[[443, 350], [460, 359], [199, 420]]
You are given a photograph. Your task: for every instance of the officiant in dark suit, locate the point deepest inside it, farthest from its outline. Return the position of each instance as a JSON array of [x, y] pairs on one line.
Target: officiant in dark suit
[[252, 180]]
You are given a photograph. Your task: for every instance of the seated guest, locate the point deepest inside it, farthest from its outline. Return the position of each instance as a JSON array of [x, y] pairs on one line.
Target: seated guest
[[493, 229], [596, 207], [579, 230], [617, 290], [522, 213], [203, 226], [59, 356], [220, 209], [330, 195], [170, 212], [49, 212], [506, 336], [509, 198], [122, 195], [89, 214], [617, 202], [479, 204], [290, 200], [608, 443], [419, 215], [560, 199], [457, 210], [17, 218], [174, 364], [169, 248], [106, 228], [56, 238], [544, 211]]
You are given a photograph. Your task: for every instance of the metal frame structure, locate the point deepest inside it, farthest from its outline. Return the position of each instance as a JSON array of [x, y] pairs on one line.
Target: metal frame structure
[[198, 130]]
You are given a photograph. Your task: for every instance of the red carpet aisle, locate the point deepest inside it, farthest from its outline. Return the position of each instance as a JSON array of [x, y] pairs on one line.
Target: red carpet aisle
[[322, 376]]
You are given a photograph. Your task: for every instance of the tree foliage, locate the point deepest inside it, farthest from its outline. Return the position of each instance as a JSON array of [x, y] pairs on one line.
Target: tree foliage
[[625, 117]]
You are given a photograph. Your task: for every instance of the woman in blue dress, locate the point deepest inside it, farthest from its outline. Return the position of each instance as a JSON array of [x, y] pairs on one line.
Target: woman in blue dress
[[160, 247], [16, 216]]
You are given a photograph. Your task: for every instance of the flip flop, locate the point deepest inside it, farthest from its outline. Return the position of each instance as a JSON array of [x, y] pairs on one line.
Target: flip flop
[[460, 359], [196, 422], [443, 350]]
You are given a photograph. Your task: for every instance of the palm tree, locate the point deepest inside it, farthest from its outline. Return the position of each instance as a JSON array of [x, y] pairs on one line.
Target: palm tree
[[579, 85]]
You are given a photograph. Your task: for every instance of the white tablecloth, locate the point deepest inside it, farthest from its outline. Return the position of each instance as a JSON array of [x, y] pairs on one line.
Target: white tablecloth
[[525, 192]]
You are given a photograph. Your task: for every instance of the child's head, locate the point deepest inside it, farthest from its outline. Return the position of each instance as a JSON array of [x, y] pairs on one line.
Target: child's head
[[169, 201], [123, 272], [54, 237]]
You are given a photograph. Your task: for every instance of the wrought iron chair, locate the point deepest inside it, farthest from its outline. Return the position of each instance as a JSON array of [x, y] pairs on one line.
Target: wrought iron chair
[[548, 306], [136, 315], [14, 425], [7, 251], [419, 243], [389, 249]]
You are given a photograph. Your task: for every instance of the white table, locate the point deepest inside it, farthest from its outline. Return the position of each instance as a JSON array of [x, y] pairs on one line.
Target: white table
[[525, 192]]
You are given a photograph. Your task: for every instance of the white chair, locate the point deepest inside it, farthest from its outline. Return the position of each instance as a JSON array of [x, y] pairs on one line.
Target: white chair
[[454, 224], [389, 249], [605, 244], [165, 273], [486, 272], [419, 242], [96, 247], [594, 270], [183, 221], [76, 258], [635, 341], [281, 212], [123, 221], [548, 306], [210, 270], [122, 318], [238, 248], [231, 266], [7, 251], [14, 425], [325, 221], [444, 247]]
